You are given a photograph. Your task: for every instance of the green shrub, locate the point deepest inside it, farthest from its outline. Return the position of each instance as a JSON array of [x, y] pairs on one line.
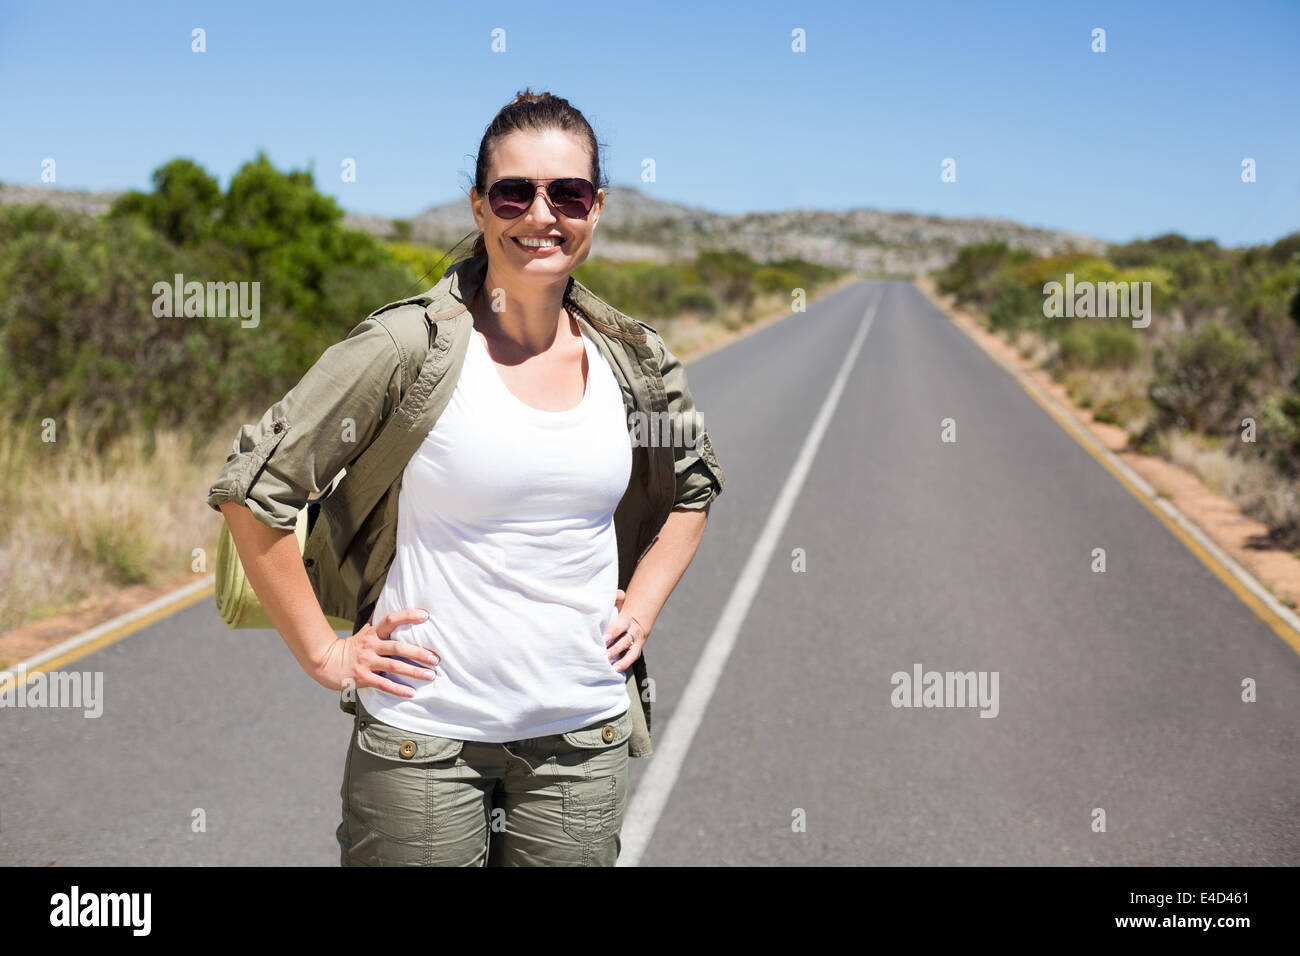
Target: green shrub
[[1205, 381], [1278, 433], [1114, 346], [1075, 347], [77, 324], [695, 299], [777, 279], [973, 264], [1014, 307], [1122, 409]]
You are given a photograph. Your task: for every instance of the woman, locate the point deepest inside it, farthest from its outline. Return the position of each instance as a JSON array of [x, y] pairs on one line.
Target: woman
[[492, 713]]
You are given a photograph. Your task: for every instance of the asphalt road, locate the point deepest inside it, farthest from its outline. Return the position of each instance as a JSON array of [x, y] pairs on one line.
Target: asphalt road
[[1118, 691]]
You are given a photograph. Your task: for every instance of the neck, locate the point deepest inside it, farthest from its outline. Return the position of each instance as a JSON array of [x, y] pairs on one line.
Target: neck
[[530, 315]]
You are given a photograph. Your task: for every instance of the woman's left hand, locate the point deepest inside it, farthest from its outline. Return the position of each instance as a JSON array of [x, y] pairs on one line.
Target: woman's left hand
[[624, 636]]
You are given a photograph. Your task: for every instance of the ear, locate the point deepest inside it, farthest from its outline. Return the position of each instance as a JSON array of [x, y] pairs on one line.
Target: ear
[[475, 208]]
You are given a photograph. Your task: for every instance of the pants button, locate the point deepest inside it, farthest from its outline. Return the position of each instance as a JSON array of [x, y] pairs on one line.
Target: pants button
[[608, 733], [408, 749]]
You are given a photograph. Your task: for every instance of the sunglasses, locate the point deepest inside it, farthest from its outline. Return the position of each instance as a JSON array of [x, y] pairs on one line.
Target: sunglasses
[[511, 198]]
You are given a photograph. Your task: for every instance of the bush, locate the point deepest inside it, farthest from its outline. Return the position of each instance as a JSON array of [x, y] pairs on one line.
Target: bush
[[1014, 307], [694, 300], [1278, 433], [1074, 347], [77, 329], [973, 265], [1114, 346], [1121, 409], [775, 279], [1205, 381]]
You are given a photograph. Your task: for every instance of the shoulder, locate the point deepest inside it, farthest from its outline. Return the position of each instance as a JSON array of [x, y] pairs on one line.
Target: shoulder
[[407, 327], [653, 339], [612, 322]]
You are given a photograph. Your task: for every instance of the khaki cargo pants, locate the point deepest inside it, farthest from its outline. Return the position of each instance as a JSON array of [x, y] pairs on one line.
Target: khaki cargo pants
[[416, 800]]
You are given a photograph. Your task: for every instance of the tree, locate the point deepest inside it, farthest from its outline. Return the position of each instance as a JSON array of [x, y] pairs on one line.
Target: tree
[[182, 205]]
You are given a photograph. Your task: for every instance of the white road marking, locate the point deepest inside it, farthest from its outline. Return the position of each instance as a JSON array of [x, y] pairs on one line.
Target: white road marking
[[665, 765]]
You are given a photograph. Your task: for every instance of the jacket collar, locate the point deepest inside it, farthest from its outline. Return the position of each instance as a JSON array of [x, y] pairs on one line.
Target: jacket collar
[[451, 296]]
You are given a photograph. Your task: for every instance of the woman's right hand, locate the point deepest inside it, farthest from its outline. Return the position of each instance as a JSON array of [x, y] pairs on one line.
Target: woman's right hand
[[359, 660]]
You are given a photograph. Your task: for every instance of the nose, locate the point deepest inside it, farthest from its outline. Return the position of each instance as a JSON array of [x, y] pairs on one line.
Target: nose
[[540, 199]]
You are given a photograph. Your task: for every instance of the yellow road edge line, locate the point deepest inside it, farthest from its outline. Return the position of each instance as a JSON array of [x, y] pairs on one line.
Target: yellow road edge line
[[1266, 614], [112, 637]]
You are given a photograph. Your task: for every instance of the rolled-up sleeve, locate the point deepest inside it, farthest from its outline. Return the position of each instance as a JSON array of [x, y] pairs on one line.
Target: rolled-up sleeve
[[317, 429], [699, 475]]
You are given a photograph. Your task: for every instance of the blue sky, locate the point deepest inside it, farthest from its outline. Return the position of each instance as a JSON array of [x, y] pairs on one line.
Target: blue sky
[[1145, 138]]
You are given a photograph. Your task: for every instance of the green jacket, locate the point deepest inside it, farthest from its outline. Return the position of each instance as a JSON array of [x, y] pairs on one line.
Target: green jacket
[[405, 359]]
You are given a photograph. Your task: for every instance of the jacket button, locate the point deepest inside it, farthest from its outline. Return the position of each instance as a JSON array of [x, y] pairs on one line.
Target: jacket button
[[608, 733], [278, 427], [408, 749], [308, 562]]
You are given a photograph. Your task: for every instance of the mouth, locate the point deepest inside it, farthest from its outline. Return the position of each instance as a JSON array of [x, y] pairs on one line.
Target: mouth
[[538, 245]]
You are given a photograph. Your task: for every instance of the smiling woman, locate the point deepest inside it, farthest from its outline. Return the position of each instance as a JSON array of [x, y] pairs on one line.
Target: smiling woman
[[512, 573]]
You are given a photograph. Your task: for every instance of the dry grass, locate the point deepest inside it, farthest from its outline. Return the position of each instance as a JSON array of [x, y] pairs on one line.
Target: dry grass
[[1252, 484], [1033, 347], [1206, 458], [75, 525]]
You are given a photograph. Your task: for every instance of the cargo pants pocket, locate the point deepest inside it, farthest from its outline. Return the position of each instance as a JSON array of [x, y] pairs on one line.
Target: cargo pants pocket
[[398, 791], [593, 780]]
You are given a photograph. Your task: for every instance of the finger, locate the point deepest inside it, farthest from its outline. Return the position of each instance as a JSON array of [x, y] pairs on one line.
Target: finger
[[388, 686], [403, 649], [391, 665], [623, 624], [615, 631], [624, 643], [395, 619], [629, 658]]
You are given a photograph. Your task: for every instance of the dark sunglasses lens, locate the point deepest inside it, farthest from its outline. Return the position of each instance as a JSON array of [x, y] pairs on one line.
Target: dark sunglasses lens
[[573, 197], [509, 198]]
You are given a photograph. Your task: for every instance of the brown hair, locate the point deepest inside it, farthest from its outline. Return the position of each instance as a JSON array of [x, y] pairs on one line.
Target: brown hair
[[534, 112]]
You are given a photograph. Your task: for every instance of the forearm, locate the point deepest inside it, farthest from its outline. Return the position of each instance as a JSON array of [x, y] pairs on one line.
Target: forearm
[[663, 566], [273, 565]]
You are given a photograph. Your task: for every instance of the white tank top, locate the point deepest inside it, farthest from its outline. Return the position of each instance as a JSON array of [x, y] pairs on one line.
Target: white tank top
[[505, 533]]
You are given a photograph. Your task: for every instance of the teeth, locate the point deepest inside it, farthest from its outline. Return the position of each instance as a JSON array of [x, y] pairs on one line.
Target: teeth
[[539, 243]]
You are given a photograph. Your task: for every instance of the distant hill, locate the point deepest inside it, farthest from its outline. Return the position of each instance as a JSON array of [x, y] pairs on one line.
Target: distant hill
[[87, 202], [635, 225]]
